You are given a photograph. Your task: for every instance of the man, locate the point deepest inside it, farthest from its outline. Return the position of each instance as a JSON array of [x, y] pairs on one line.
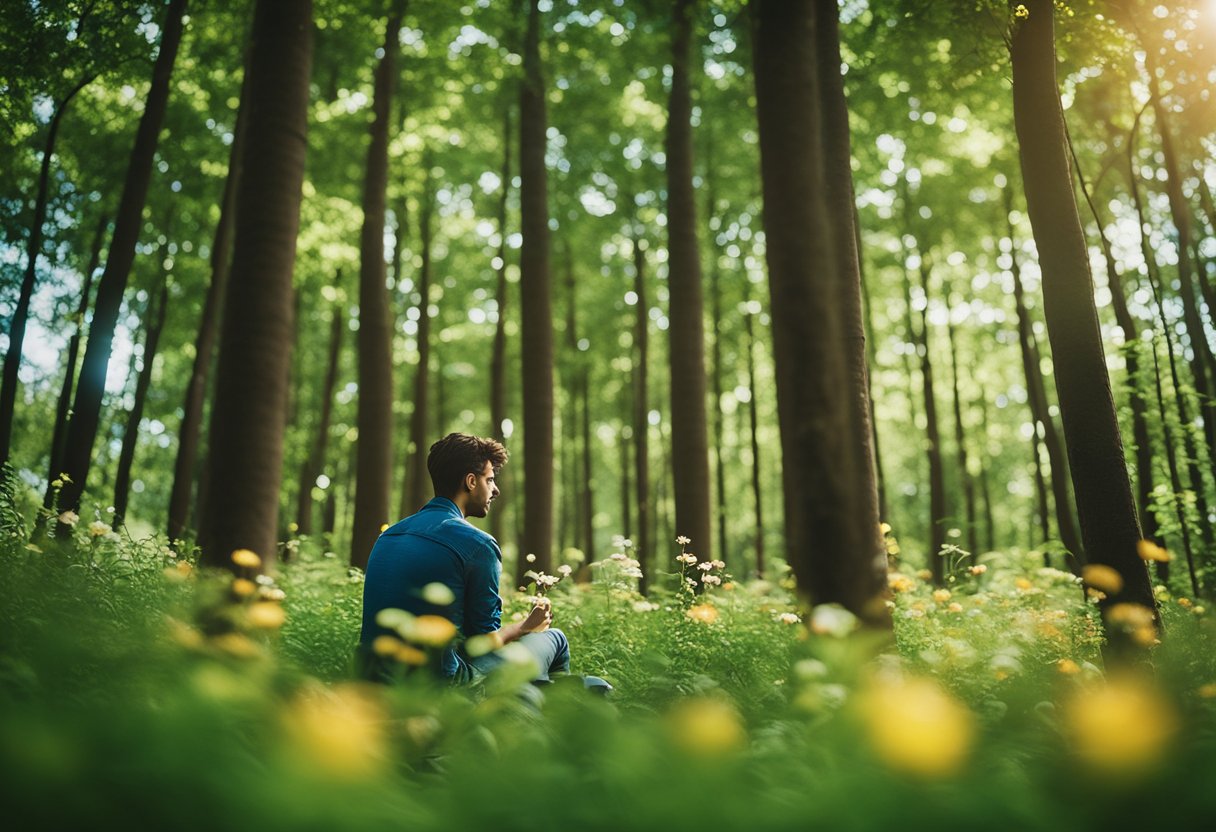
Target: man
[[439, 546]]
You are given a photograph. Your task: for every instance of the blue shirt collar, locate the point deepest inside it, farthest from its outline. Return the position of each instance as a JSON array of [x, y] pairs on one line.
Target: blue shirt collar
[[445, 505]]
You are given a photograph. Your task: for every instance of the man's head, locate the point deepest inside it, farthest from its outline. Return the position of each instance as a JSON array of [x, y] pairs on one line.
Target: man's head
[[463, 469]]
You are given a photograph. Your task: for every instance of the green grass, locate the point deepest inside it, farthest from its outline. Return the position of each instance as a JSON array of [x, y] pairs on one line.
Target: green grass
[[134, 694]]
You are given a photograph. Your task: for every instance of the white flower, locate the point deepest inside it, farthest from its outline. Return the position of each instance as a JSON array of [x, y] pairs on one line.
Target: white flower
[[688, 557], [564, 570], [705, 567], [832, 620], [69, 518], [683, 541], [789, 618], [99, 529], [617, 556], [710, 579], [530, 558]]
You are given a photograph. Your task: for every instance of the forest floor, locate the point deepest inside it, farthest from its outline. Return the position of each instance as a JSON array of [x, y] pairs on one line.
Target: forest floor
[[136, 688]]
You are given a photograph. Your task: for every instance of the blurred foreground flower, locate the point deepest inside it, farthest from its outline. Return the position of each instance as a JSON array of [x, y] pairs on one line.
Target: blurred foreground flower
[[1148, 550], [832, 620], [246, 558], [266, 615], [706, 727], [705, 613], [338, 730], [439, 594], [1103, 578], [917, 727], [1121, 727]]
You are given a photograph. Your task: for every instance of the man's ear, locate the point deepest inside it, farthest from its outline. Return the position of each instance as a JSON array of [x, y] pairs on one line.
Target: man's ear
[[470, 482]]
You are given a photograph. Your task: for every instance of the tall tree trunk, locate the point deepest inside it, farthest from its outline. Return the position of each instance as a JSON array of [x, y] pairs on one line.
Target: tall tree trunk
[[16, 329], [586, 492], [536, 307], [247, 417], [1037, 394], [417, 478], [375, 339], [185, 468], [1131, 357], [831, 512], [315, 459], [686, 334], [871, 361], [960, 447], [933, 440], [842, 214], [715, 372], [86, 408], [1040, 489], [985, 489], [570, 519], [130, 438], [498, 358], [753, 426], [59, 434], [641, 414], [1109, 527]]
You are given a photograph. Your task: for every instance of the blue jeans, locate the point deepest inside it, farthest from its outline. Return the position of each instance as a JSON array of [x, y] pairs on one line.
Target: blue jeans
[[550, 649]]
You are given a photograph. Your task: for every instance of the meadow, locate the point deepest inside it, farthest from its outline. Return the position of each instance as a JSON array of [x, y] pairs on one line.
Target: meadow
[[140, 690]]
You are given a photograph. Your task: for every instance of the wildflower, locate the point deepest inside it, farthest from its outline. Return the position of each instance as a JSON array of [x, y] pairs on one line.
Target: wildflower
[[480, 645], [184, 568], [383, 527], [900, 582], [705, 613], [687, 557], [271, 593], [941, 595], [1148, 550], [718, 564], [530, 558], [1198, 610], [236, 645], [1103, 578], [645, 606], [69, 518], [99, 529], [710, 580], [1068, 667], [832, 620], [1021, 12], [978, 569], [431, 630], [246, 558], [1023, 584], [955, 606], [1121, 727], [924, 574], [266, 615], [706, 727], [340, 730], [438, 594], [1208, 691], [789, 618], [729, 586], [243, 587], [683, 541], [916, 726], [705, 567], [564, 570], [1185, 603]]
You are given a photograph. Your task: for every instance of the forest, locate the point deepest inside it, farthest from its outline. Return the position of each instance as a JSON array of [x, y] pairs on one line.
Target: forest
[[856, 360]]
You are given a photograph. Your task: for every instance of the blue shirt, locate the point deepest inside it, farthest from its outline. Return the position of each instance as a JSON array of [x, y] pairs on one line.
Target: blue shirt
[[436, 545]]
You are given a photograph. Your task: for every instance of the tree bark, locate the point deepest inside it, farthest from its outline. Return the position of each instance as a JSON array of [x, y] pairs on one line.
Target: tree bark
[[871, 361], [754, 433], [641, 414], [686, 334], [16, 328], [960, 448], [498, 358], [933, 441], [1037, 394], [831, 518], [155, 325], [185, 468], [374, 465], [86, 407], [536, 308], [1109, 527], [247, 419], [415, 491], [715, 307], [62, 408], [315, 460]]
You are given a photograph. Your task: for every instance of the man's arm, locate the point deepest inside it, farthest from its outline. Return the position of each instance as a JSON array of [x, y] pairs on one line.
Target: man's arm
[[537, 621], [483, 605]]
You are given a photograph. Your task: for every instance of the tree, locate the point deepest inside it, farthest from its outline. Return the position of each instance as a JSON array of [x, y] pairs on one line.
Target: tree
[[831, 522], [1109, 528], [414, 490], [246, 439], [313, 462], [536, 307], [375, 456], [86, 407], [686, 334]]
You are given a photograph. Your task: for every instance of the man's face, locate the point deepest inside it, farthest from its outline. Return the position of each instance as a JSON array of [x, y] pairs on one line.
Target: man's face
[[484, 490]]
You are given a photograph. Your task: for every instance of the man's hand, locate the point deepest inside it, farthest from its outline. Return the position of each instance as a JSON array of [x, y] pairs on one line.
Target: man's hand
[[539, 619]]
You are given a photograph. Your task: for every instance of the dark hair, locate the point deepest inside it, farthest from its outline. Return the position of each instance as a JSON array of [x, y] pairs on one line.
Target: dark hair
[[458, 454]]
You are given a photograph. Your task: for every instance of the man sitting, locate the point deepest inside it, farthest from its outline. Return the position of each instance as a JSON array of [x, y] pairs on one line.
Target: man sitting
[[439, 546]]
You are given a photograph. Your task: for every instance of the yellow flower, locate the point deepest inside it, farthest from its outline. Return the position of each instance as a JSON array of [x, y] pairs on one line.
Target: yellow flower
[[900, 582], [1148, 550], [1184, 602], [482, 644], [1068, 667], [941, 595], [955, 606], [383, 526], [917, 727], [385, 645], [243, 587], [339, 730], [266, 615], [1122, 727], [1208, 691], [236, 645], [408, 654], [705, 613], [1103, 578], [438, 594], [246, 558], [1021, 12], [1023, 584], [431, 630], [706, 727]]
